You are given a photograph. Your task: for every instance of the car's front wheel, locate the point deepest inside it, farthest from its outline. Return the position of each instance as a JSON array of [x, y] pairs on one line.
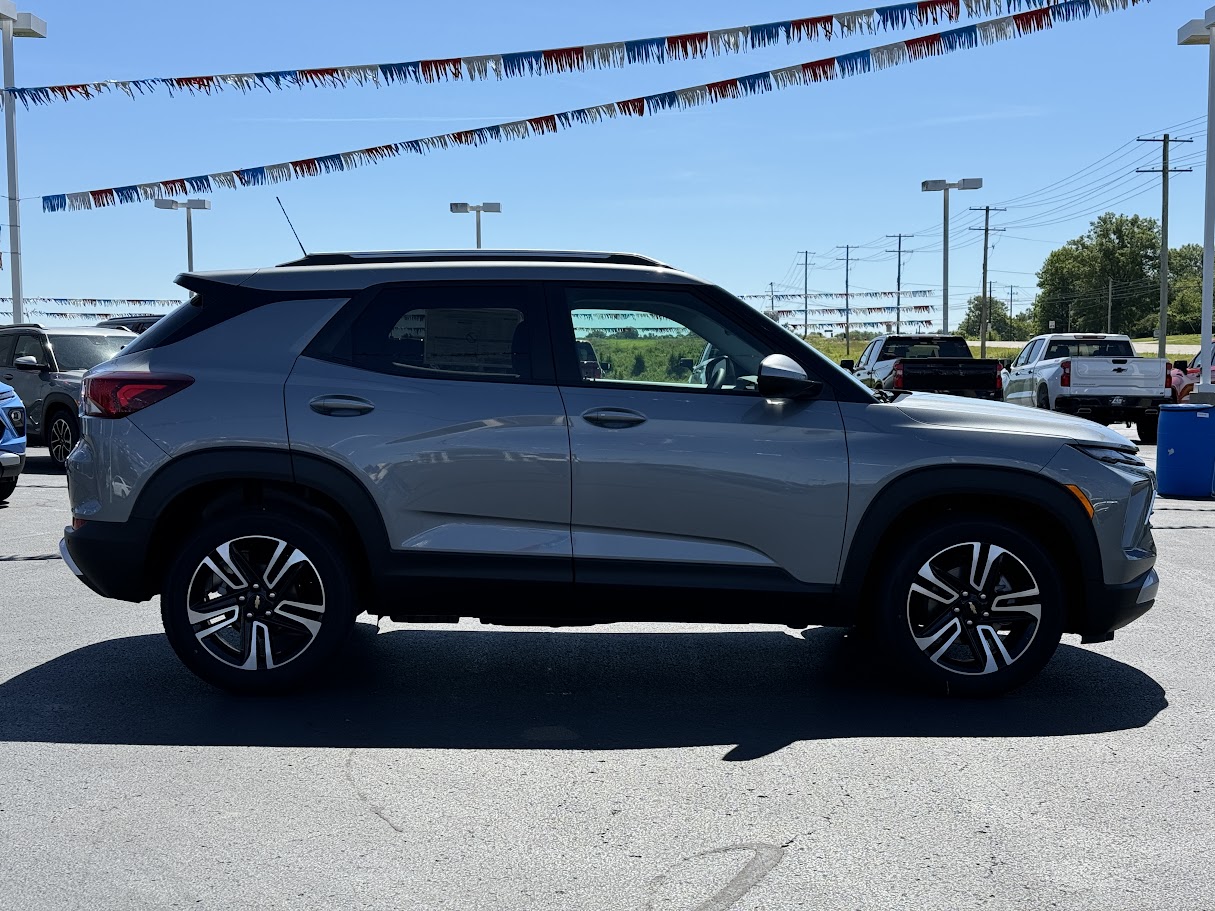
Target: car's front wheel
[[972, 607], [258, 602]]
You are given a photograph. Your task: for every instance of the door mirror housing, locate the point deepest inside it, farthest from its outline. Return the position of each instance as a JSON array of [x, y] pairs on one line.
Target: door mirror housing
[[849, 365], [781, 377], [28, 362]]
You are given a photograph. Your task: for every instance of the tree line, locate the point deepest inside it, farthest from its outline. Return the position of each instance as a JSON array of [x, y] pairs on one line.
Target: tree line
[[1074, 286]]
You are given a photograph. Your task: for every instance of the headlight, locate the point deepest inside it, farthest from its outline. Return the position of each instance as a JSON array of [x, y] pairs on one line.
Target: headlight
[[17, 417], [1112, 456]]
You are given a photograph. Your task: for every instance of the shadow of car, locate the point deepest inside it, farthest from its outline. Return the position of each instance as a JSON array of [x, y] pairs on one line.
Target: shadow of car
[[467, 689]]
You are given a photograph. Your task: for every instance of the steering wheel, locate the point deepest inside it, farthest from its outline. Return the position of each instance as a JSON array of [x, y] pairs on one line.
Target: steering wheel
[[720, 372]]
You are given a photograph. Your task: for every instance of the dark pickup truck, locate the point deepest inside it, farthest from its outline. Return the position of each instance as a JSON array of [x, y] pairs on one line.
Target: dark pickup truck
[[927, 363]]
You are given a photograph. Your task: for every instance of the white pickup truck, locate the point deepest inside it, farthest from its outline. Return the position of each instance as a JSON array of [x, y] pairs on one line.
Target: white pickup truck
[[1099, 377]]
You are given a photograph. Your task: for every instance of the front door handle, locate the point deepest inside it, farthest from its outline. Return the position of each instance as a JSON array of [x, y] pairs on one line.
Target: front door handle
[[8, 376], [340, 406], [613, 418]]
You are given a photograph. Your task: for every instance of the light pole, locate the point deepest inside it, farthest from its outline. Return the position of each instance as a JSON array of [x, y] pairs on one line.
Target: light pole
[[189, 205], [14, 25], [1202, 31], [463, 208], [933, 186]]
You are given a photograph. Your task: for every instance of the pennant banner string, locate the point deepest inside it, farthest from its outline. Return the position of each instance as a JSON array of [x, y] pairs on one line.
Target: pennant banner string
[[836, 295], [618, 54], [852, 64]]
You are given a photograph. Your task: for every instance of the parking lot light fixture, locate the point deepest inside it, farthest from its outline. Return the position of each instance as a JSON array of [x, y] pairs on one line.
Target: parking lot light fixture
[[1199, 32], [189, 205], [463, 208], [944, 186]]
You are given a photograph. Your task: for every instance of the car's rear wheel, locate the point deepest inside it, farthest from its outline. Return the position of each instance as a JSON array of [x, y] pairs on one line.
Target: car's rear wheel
[[61, 436], [7, 487], [972, 608], [1147, 427], [258, 602], [1043, 399]]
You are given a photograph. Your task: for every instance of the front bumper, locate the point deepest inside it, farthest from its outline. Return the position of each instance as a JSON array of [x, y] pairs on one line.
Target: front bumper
[[11, 464], [110, 558], [1111, 607]]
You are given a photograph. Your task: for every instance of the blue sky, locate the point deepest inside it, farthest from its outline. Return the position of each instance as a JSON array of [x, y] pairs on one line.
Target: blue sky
[[730, 191]]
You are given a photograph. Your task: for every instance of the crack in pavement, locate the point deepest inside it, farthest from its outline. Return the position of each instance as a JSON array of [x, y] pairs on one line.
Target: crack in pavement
[[362, 795], [764, 859], [12, 558]]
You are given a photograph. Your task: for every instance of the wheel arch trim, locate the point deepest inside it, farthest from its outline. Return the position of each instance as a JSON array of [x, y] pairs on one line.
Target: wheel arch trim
[[925, 484]]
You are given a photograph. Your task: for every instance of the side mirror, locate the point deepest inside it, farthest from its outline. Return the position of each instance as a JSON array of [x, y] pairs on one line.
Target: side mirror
[[605, 366], [685, 363], [849, 365], [781, 377], [28, 362], [1181, 365]]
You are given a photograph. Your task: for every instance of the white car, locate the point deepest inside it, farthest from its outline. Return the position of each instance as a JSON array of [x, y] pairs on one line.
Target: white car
[[1099, 377]]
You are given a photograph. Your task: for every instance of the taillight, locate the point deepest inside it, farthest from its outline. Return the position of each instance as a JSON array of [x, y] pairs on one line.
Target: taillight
[[898, 374], [1066, 380], [999, 378], [117, 395]]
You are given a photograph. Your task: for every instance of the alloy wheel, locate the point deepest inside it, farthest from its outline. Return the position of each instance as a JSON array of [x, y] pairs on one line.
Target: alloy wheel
[[255, 603], [974, 608], [62, 439]]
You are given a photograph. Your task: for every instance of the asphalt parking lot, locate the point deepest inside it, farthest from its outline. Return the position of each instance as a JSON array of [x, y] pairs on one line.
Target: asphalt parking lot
[[663, 767]]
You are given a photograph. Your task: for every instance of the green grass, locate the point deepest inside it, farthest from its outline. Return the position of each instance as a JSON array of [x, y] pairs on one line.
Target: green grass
[[1194, 339], [657, 360]]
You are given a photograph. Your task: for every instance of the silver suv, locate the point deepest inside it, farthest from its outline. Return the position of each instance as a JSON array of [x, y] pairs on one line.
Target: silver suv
[[412, 435]]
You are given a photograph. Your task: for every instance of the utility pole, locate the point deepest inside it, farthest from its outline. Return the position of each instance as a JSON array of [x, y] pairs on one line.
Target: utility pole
[[772, 299], [898, 295], [806, 254], [1164, 171], [1010, 312], [847, 258], [985, 297], [1109, 310]]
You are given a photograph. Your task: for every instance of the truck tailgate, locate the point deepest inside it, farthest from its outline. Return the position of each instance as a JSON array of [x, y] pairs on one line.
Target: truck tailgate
[[1123, 373], [949, 374]]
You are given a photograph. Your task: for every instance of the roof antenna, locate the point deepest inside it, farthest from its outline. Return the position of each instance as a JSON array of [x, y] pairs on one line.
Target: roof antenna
[[291, 226]]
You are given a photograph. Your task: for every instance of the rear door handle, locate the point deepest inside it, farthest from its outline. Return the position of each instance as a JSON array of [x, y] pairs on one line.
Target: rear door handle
[[340, 406], [613, 418]]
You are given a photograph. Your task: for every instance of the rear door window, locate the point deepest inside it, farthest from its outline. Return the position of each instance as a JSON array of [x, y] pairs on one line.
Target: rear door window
[[488, 332]]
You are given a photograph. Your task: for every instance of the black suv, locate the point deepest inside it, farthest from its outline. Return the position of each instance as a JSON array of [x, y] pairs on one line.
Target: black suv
[[46, 368]]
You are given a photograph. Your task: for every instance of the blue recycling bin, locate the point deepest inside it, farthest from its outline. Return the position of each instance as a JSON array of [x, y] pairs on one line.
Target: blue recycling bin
[[1185, 451]]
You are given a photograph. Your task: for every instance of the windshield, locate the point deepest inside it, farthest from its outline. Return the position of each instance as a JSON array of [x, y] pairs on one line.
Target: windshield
[[84, 352]]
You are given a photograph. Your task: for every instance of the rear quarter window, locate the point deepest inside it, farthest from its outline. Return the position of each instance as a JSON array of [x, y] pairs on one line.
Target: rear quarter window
[[168, 329]]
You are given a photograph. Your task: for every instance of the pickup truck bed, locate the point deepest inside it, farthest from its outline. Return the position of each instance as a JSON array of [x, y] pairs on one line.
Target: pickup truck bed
[[928, 363]]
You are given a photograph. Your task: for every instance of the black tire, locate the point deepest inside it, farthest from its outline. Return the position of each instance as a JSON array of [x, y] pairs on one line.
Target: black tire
[[1042, 399], [62, 432], [7, 487], [939, 633], [1147, 427], [256, 645]]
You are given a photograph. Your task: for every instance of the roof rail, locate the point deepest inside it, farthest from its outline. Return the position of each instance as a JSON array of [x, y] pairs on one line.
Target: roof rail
[[443, 256], [23, 326]]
